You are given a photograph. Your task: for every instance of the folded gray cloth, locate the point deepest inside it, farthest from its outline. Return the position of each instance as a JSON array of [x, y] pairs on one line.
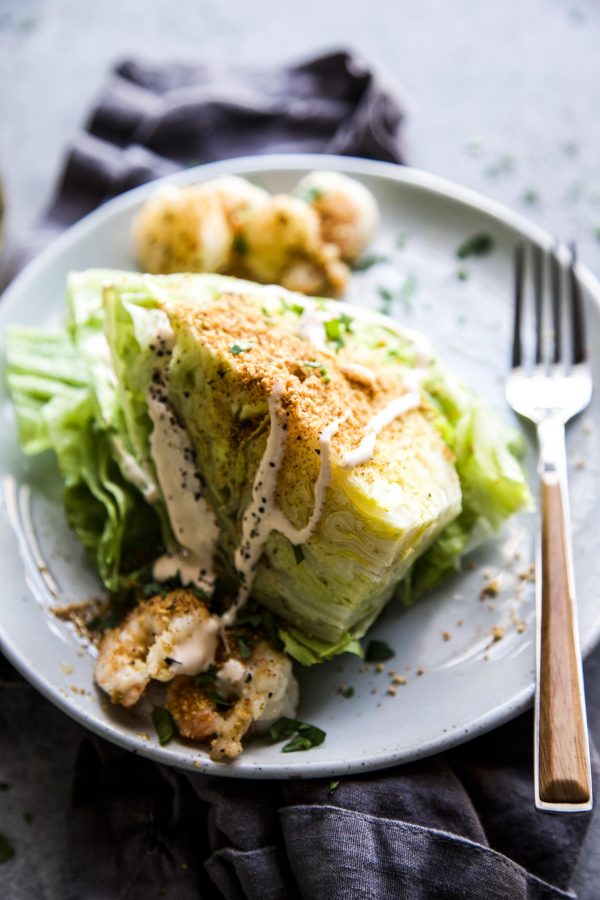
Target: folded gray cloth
[[461, 825]]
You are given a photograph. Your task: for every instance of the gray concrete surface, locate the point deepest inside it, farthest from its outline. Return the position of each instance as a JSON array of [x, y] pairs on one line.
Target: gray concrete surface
[[501, 96]]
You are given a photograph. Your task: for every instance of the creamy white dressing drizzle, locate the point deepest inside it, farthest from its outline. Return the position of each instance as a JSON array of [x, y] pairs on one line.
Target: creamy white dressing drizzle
[[192, 520], [423, 348], [310, 327], [262, 516], [397, 407], [359, 373], [196, 652], [133, 471], [230, 677]]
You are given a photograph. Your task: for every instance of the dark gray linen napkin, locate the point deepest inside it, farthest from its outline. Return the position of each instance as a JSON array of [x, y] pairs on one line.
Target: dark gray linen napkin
[[459, 825]]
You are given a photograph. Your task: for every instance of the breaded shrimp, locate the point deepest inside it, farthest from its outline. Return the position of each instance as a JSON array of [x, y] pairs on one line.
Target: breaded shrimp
[[161, 638], [284, 246], [183, 229], [238, 197], [346, 208], [260, 689]]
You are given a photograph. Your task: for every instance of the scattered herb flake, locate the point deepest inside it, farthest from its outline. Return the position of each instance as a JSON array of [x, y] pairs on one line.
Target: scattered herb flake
[[244, 647], [332, 787], [239, 244], [283, 728], [164, 725], [347, 692], [401, 240], [7, 851], [313, 364], [570, 148], [298, 553], [219, 699], [462, 274], [367, 262], [530, 197], [379, 651], [241, 347], [310, 195], [597, 232], [387, 300], [407, 291], [477, 245], [152, 589], [503, 166], [207, 677], [102, 623], [474, 146], [296, 308], [305, 736]]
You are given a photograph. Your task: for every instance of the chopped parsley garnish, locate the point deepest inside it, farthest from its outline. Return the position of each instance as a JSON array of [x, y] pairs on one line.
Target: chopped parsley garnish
[[347, 692], [477, 245], [530, 197], [207, 677], [283, 728], [597, 233], [379, 651], [367, 262], [310, 195], [7, 851], [462, 274], [239, 244], [313, 364], [219, 699], [152, 589], [296, 308], [387, 300], [335, 328], [333, 786], [503, 166], [198, 592], [241, 347], [407, 291], [102, 623], [305, 736], [298, 553], [164, 725], [244, 646]]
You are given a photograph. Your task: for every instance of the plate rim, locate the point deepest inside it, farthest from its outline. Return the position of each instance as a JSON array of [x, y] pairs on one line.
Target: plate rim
[[433, 184]]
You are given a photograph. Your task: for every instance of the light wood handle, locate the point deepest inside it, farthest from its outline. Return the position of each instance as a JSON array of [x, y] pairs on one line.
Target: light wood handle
[[563, 746]]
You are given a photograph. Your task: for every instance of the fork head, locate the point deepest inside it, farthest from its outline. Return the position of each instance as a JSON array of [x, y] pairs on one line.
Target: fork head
[[555, 381]]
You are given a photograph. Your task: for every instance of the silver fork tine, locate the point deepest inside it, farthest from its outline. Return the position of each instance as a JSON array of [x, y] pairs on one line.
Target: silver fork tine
[[519, 270], [555, 279], [576, 311], [538, 287]]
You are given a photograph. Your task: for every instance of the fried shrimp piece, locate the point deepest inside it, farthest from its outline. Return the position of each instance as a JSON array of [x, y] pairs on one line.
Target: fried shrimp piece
[[284, 246], [260, 690], [346, 208], [162, 637], [183, 229]]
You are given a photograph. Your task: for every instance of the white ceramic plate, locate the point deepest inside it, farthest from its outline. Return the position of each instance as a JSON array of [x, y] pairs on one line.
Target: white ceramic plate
[[460, 681]]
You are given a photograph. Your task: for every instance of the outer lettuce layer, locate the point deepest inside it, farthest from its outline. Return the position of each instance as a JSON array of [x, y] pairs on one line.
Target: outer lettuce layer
[[57, 410], [87, 403]]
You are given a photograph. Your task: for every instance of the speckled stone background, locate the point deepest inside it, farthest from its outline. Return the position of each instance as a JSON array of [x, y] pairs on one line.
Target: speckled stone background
[[503, 97]]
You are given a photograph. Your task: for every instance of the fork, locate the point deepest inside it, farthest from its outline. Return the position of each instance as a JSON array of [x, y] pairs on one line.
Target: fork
[[549, 391]]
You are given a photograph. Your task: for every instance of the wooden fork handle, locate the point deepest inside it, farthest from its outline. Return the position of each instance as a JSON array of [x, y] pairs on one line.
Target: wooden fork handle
[[563, 749]]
